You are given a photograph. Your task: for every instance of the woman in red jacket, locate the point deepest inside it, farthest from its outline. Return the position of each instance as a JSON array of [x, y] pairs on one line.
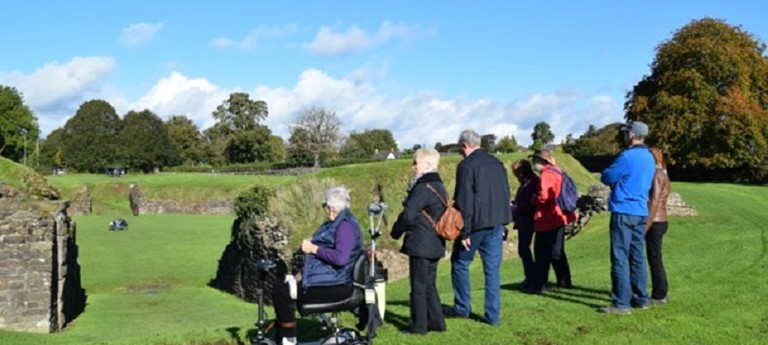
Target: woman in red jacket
[[549, 223]]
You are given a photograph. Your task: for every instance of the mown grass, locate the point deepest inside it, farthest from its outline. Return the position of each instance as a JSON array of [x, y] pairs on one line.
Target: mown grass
[[148, 285]]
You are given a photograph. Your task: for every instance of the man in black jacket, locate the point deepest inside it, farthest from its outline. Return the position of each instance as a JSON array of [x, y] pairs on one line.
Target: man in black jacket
[[482, 196]]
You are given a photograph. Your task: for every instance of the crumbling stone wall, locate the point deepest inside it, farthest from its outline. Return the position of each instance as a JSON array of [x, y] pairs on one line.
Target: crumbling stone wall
[[40, 288], [253, 238]]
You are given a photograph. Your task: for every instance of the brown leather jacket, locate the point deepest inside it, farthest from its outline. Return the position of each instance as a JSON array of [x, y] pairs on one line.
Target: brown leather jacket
[[657, 200]]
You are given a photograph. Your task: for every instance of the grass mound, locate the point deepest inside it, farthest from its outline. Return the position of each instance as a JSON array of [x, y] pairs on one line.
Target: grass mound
[[26, 180]]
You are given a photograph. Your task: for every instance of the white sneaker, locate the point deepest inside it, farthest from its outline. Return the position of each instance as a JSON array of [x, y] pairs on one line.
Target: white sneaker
[[289, 341]]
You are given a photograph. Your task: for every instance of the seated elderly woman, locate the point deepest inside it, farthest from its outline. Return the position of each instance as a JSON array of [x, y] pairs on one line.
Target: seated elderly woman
[[328, 264]]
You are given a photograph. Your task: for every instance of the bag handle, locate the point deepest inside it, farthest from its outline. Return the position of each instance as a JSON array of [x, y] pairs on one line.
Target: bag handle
[[424, 212]]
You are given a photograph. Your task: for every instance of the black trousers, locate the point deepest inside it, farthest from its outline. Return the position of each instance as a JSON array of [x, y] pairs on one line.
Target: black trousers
[[285, 307], [549, 249], [524, 240], [653, 239], [426, 310]]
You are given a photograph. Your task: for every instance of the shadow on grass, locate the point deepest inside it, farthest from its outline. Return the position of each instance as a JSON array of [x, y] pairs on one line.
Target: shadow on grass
[[402, 322], [577, 295]]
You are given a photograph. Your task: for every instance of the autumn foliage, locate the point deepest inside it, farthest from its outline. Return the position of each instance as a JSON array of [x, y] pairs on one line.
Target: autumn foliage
[[706, 102]]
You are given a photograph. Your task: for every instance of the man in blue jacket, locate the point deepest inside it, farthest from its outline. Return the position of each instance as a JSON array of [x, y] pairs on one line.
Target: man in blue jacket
[[630, 178], [482, 196]]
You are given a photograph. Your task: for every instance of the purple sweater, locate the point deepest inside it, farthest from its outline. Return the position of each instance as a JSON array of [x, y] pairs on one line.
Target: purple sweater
[[345, 241]]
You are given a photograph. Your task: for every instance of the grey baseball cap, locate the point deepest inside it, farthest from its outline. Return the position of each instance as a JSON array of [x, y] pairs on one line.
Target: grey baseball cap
[[636, 127]]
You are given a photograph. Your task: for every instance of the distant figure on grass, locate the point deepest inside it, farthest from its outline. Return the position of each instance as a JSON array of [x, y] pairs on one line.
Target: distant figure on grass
[[482, 196], [630, 178], [656, 227], [549, 223], [522, 213], [423, 246], [134, 198]]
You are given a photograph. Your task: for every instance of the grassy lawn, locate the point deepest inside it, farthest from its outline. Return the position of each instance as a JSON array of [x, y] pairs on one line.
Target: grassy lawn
[[148, 285]]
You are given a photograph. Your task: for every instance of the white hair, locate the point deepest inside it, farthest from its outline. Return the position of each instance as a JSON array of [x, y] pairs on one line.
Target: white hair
[[430, 158], [470, 137], [337, 198]]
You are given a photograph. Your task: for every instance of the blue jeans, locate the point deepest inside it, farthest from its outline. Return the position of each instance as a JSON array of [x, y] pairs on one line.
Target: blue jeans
[[629, 278], [489, 242]]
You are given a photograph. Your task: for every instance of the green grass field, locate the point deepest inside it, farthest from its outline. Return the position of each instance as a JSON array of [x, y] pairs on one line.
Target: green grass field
[[148, 285]]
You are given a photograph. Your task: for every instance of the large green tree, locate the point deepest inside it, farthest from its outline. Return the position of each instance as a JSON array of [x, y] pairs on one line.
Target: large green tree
[[250, 146], [320, 133], [542, 135], [706, 100], [240, 112], [364, 144], [146, 144], [18, 125], [91, 141], [186, 138]]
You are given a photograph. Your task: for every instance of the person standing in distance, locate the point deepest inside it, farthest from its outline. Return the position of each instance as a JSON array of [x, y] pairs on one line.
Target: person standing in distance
[[630, 178], [482, 195]]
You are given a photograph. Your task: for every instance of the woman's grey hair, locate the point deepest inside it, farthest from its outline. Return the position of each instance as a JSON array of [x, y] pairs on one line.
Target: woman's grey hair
[[337, 198], [470, 137], [430, 158]]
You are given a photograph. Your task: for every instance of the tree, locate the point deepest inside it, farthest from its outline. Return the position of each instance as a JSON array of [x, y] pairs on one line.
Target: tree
[[186, 138], [488, 142], [297, 143], [277, 146], [18, 125], [596, 142], [507, 144], [239, 112], [91, 141], [250, 146], [366, 143], [322, 132], [215, 141], [542, 135], [706, 101], [146, 144], [51, 149]]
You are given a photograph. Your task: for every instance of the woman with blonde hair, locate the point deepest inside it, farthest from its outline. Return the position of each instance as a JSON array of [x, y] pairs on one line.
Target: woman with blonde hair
[[423, 246]]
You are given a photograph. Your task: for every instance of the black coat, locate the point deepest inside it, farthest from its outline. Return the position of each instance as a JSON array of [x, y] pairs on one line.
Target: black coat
[[482, 192], [421, 240]]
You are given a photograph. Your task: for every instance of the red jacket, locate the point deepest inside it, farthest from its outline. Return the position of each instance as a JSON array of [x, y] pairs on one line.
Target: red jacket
[[548, 215]]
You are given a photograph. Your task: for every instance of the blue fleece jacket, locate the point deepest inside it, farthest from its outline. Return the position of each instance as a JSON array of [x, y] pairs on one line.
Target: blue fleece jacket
[[630, 178]]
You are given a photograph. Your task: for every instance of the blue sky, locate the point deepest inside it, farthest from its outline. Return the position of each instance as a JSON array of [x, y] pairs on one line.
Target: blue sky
[[423, 69]]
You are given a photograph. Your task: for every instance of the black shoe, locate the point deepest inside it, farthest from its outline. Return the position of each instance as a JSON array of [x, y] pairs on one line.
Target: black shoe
[[534, 291], [409, 330], [451, 313]]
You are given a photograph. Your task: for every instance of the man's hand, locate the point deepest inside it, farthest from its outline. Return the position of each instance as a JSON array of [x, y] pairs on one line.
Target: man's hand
[[466, 243]]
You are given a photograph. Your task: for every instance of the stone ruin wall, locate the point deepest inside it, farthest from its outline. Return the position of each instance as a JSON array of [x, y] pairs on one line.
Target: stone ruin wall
[[40, 289]]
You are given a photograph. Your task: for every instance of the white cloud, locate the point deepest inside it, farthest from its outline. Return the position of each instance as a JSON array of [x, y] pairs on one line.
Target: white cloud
[[256, 38], [55, 90], [222, 43], [177, 94], [328, 42], [137, 34]]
